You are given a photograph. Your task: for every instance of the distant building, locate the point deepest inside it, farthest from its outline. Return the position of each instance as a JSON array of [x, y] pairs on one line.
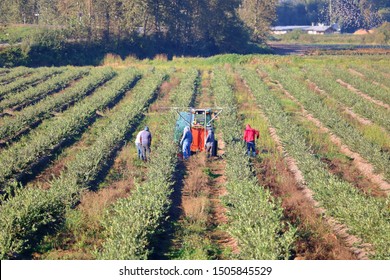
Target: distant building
[[309, 29]]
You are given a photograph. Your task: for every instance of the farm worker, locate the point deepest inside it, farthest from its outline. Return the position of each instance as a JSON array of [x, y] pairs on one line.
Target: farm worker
[[138, 145], [209, 143], [186, 142], [146, 141], [250, 136]]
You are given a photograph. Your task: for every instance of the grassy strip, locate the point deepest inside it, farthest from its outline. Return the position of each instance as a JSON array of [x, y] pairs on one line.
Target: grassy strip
[[332, 119], [322, 147], [33, 211], [14, 73], [43, 109], [323, 78], [4, 71], [383, 70], [334, 40], [372, 74], [33, 94], [365, 216], [22, 84], [129, 238], [375, 91], [46, 138], [372, 132], [255, 217]]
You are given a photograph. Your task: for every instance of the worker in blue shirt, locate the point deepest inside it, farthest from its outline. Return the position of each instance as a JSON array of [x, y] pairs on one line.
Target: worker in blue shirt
[[186, 142]]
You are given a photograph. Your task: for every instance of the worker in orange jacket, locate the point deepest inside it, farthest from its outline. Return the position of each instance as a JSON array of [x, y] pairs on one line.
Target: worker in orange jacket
[[250, 136]]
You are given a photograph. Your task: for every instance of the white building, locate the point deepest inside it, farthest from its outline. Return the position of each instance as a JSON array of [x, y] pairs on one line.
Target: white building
[[309, 29]]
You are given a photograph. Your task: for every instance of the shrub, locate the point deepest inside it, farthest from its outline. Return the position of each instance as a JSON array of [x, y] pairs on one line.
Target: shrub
[[12, 56], [294, 35]]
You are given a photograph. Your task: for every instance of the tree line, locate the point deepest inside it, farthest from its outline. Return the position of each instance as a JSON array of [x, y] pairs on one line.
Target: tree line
[[186, 26]]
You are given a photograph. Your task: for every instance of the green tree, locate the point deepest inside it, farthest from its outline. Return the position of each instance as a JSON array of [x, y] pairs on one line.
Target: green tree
[[258, 16]]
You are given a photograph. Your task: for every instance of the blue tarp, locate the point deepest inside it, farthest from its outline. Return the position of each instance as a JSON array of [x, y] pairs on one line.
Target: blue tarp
[[196, 118], [181, 123]]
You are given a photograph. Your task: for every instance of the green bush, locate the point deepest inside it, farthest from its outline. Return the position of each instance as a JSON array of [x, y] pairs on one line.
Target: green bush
[[384, 31], [294, 35], [45, 47], [12, 56]]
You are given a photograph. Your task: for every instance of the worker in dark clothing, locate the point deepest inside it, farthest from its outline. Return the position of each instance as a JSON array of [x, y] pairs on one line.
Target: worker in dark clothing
[[186, 142], [146, 141], [209, 143], [250, 136]]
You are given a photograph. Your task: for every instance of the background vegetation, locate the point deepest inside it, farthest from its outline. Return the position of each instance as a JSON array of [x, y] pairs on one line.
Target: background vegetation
[[144, 28], [379, 36], [82, 32], [350, 15]]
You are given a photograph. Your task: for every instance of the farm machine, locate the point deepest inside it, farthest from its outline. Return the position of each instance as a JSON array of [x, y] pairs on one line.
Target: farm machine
[[199, 121]]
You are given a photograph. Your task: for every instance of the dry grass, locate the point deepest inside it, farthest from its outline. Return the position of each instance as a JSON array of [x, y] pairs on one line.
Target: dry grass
[[195, 190], [196, 182], [196, 208], [161, 57], [316, 240], [111, 59], [167, 86], [163, 94], [93, 204]]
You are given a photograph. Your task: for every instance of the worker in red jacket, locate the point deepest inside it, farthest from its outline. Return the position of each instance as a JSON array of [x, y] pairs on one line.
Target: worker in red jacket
[[250, 136]]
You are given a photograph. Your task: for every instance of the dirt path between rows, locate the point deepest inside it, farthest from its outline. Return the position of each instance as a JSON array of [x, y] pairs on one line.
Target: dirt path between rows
[[363, 95], [217, 183], [217, 191], [338, 228], [202, 212]]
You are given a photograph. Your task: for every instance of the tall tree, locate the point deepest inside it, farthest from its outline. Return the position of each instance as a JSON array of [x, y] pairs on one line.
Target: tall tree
[[258, 16], [354, 14]]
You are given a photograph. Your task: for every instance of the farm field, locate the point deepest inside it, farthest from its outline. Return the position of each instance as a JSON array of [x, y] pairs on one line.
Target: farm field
[[72, 187]]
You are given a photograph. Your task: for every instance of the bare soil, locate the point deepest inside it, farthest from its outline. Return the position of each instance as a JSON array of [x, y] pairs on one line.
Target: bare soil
[[217, 187], [217, 191], [203, 187]]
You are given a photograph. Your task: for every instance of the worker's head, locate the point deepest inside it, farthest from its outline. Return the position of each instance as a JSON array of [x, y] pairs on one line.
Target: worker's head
[[248, 126], [146, 128]]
